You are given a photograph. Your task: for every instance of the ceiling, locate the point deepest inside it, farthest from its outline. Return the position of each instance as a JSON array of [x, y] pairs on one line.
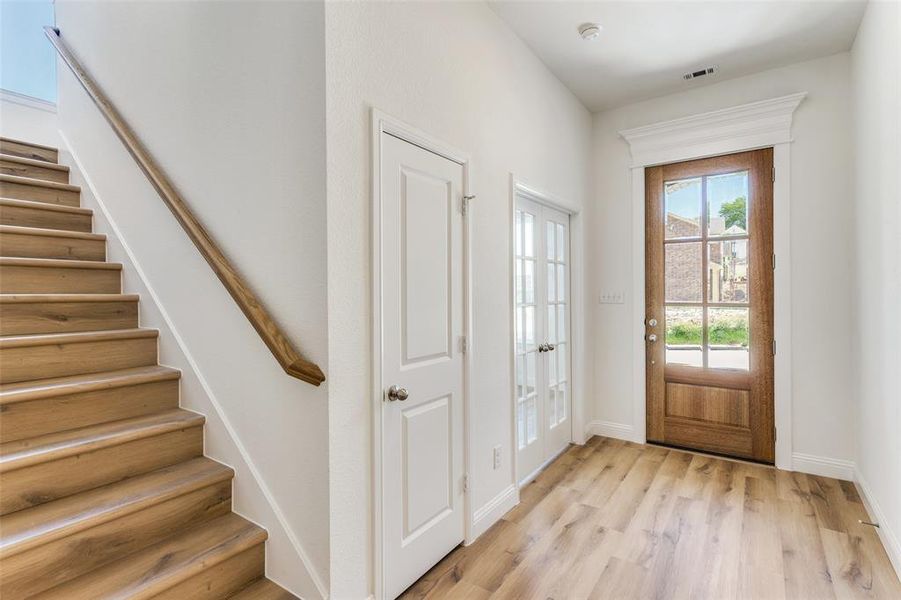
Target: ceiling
[[645, 47]]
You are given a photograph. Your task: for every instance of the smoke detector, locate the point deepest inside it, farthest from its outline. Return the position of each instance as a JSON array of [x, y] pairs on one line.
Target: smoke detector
[[700, 73], [589, 31]]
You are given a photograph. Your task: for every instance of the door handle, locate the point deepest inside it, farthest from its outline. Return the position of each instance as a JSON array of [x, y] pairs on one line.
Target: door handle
[[549, 347], [652, 337], [542, 347], [396, 393]]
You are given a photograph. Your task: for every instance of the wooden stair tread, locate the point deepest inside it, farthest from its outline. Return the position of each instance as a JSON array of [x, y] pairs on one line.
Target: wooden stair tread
[[39, 183], [39, 152], [24, 453], [263, 589], [44, 298], [81, 235], [25, 391], [34, 163], [45, 206], [58, 263], [32, 527], [57, 339], [10, 140], [153, 570]]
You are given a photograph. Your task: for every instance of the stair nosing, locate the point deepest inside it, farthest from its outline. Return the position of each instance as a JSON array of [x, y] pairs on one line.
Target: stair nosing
[[211, 473], [245, 535], [24, 143], [75, 337], [50, 298], [34, 182], [43, 231], [45, 206], [96, 437], [56, 263], [41, 164], [39, 389]]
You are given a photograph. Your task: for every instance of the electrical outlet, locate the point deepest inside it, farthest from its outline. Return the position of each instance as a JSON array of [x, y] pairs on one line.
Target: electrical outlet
[[611, 298], [497, 457]]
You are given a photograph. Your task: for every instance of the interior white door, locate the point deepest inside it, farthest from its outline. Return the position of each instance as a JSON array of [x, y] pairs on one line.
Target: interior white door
[[542, 345], [422, 326]]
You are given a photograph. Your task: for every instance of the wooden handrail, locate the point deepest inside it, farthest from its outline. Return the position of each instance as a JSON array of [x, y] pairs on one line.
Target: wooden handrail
[[288, 357]]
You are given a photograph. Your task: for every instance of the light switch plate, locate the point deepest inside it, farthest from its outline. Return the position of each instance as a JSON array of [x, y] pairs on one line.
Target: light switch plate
[[611, 298]]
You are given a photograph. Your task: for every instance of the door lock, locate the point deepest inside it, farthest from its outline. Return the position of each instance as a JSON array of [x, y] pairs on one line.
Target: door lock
[[396, 393], [652, 322], [652, 337]]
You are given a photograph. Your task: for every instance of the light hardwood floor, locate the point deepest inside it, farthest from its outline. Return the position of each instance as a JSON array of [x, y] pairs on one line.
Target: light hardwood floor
[[614, 519]]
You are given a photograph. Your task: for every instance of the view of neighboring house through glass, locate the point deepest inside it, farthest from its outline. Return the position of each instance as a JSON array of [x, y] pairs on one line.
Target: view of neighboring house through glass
[[706, 271], [27, 60]]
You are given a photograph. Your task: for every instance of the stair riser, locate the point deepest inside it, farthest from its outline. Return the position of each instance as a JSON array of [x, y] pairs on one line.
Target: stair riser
[[8, 167], [15, 279], [25, 363], [36, 193], [23, 420], [45, 219], [58, 561], [219, 581], [66, 317], [28, 151], [45, 482], [51, 246]]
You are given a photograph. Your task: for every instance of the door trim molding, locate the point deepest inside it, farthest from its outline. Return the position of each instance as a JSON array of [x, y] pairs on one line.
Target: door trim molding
[[736, 129], [518, 187], [382, 123]]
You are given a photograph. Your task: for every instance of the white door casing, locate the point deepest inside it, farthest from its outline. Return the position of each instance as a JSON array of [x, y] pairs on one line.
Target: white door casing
[[422, 326], [542, 344]]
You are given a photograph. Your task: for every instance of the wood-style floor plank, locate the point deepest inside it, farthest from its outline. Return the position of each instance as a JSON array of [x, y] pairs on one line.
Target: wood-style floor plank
[[617, 520]]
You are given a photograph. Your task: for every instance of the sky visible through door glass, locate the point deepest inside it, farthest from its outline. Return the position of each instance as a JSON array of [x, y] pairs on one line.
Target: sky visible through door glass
[[684, 201], [27, 60]]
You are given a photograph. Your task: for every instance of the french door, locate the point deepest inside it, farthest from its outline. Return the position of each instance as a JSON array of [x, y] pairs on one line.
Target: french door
[[709, 306], [542, 345]]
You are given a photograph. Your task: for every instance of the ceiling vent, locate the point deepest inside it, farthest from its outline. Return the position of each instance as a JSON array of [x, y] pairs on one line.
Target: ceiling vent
[[700, 73]]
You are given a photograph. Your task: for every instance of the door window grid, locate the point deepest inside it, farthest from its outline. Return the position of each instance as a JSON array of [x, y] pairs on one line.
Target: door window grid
[[526, 319], [557, 300], [707, 271]]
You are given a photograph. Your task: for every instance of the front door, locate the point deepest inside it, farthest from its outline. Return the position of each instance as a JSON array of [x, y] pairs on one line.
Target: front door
[[709, 306], [422, 363], [542, 345]]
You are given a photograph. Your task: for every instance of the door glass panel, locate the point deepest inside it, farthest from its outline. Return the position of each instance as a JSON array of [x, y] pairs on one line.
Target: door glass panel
[[684, 336], [552, 406], [551, 284], [552, 323], [518, 233], [561, 359], [529, 326], [682, 207], [561, 402], [531, 420], [683, 268], [531, 374], [728, 338], [520, 377], [519, 282], [561, 323], [529, 234], [529, 281], [727, 204], [549, 242], [561, 283], [521, 424], [727, 271]]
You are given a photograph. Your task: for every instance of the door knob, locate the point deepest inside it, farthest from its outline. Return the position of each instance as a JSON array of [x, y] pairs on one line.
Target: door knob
[[542, 347], [549, 347], [652, 337], [396, 393], [652, 323]]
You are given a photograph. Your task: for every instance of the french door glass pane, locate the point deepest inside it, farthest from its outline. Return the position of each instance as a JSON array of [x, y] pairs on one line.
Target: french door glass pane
[[529, 281], [551, 284], [682, 202], [531, 420], [561, 402], [728, 338], [561, 282], [727, 204], [549, 242], [521, 424], [727, 271], [561, 323], [529, 234], [520, 377], [561, 359], [529, 326], [561, 243], [683, 269], [518, 233], [531, 378], [551, 323], [684, 336]]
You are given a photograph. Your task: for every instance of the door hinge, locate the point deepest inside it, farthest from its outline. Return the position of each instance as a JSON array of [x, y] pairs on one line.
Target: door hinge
[[774, 261], [464, 206], [774, 174], [464, 345], [465, 483], [774, 347], [775, 433]]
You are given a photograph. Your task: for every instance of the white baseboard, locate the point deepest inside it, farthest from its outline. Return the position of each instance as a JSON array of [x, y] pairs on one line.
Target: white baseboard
[[889, 537], [492, 511], [823, 466], [610, 429]]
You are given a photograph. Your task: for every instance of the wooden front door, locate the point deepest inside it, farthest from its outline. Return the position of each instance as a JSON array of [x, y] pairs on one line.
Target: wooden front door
[[709, 305]]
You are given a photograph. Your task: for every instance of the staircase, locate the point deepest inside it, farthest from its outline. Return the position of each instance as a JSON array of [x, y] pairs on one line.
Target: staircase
[[104, 489]]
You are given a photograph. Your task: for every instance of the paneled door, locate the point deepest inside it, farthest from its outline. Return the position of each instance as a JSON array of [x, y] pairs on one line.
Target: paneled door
[[422, 364], [709, 306], [542, 341]]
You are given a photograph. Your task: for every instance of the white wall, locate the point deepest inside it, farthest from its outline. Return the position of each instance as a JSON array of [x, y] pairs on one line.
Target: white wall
[[876, 78], [28, 119], [229, 97], [455, 71], [821, 162]]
